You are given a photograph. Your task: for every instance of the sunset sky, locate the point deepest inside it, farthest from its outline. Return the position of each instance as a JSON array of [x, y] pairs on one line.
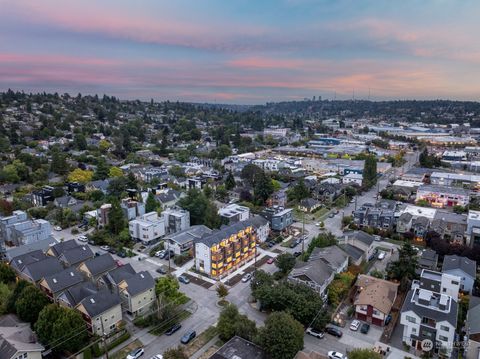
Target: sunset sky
[[239, 51]]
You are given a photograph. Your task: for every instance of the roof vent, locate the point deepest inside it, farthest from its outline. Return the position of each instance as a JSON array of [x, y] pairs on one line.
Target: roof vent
[[54, 280], [141, 275], [72, 274], [92, 300], [19, 261]]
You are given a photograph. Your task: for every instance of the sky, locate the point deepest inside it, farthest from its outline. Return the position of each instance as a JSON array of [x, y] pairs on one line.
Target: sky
[[242, 51]]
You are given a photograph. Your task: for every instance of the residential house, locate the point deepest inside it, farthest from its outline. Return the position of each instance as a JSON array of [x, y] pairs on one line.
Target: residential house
[[76, 255], [428, 260], [137, 293], [43, 196], [113, 278], [54, 285], [379, 215], [472, 351], [65, 201], [102, 312], [280, 218], [225, 250], [98, 266], [319, 271], [72, 296], [358, 245], [326, 192], [34, 266], [148, 228], [60, 247], [99, 185], [450, 226], [234, 213], [18, 341], [176, 220], [353, 178], [374, 299], [309, 205], [430, 312], [473, 228], [102, 214], [462, 267], [168, 198], [182, 242], [443, 196], [132, 209], [262, 227]]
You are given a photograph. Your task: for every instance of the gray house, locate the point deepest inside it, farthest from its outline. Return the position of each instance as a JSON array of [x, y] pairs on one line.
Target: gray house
[[462, 267]]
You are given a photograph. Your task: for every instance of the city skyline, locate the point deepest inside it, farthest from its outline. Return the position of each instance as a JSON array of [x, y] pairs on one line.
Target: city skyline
[[242, 52]]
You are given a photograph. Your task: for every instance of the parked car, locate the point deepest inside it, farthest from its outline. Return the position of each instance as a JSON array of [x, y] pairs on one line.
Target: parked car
[[388, 319], [315, 333], [173, 329], [331, 215], [98, 254], [354, 325], [161, 253], [157, 356], [270, 244], [119, 263], [91, 242], [336, 355], [381, 255], [365, 328], [183, 279], [135, 354], [105, 248], [297, 254], [161, 270], [246, 277], [57, 228], [293, 244], [122, 254], [188, 336], [83, 239], [112, 251], [169, 255], [377, 238], [271, 260], [334, 331]]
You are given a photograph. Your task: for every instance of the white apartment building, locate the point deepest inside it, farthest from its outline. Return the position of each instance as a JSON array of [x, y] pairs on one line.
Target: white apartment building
[[430, 312], [147, 228], [234, 213], [356, 178], [176, 220]]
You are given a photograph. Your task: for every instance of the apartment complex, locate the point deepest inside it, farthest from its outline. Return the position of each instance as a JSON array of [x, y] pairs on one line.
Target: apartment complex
[[222, 251], [147, 228], [430, 312], [176, 220], [234, 213]]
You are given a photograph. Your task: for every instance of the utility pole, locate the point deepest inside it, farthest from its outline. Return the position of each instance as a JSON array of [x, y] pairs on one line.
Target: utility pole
[[303, 233], [168, 253], [104, 342]]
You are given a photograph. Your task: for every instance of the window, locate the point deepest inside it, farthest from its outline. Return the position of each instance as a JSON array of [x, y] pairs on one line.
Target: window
[[444, 328], [454, 282], [414, 330], [442, 338], [410, 319], [112, 326]]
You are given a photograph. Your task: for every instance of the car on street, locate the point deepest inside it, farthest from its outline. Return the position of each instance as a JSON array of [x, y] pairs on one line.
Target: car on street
[[365, 328], [293, 244], [270, 244], [183, 279], [315, 333], [161, 270], [122, 254], [161, 253], [157, 356], [297, 254], [355, 325], [377, 238], [317, 224], [381, 255], [57, 228], [271, 260], [246, 278], [334, 331], [331, 215], [336, 355], [119, 263], [188, 336], [112, 251], [173, 329], [388, 319], [135, 354], [105, 248], [83, 239]]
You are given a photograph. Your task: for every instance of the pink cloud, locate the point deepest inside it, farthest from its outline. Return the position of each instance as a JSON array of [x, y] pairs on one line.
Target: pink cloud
[[267, 63]]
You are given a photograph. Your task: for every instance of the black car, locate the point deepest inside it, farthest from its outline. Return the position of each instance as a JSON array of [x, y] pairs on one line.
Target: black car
[[293, 244], [113, 250], [334, 331], [297, 254], [365, 328], [388, 319], [173, 329], [161, 270], [122, 254]]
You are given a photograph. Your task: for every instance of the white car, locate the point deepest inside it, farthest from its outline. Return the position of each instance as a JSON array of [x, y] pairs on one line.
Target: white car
[[315, 333], [355, 325], [83, 239], [135, 354], [246, 277], [336, 355], [158, 356], [160, 253], [57, 228], [381, 255], [105, 248]]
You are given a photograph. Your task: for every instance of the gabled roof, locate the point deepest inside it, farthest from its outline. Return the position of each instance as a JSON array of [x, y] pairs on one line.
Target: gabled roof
[[100, 302], [61, 247], [100, 264], [378, 293], [19, 262], [466, 265], [18, 338], [78, 292], [473, 324], [352, 251], [121, 273], [361, 236], [76, 255], [308, 202], [139, 283], [332, 255], [316, 271], [63, 280], [43, 268], [259, 221]]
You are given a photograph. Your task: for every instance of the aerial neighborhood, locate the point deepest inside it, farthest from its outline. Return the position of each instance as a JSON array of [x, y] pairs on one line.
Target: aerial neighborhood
[[181, 230]]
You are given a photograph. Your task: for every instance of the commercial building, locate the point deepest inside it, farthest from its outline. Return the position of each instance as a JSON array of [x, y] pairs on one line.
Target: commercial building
[[225, 250], [148, 228]]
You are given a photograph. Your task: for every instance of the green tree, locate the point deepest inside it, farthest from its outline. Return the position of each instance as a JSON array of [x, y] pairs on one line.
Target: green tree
[[102, 170], [151, 204], [59, 163], [169, 288], [202, 210], [56, 323], [29, 304], [222, 291], [17, 290], [358, 353], [221, 193], [282, 336], [230, 181], [115, 172], [298, 192], [9, 174], [285, 262], [5, 293], [231, 323], [403, 269], [370, 171], [249, 173], [7, 274], [175, 353], [80, 142], [263, 188], [176, 171], [116, 220]]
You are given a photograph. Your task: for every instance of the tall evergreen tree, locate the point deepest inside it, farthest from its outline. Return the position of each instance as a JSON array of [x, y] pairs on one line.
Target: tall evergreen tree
[[230, 181], [370, 171]]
